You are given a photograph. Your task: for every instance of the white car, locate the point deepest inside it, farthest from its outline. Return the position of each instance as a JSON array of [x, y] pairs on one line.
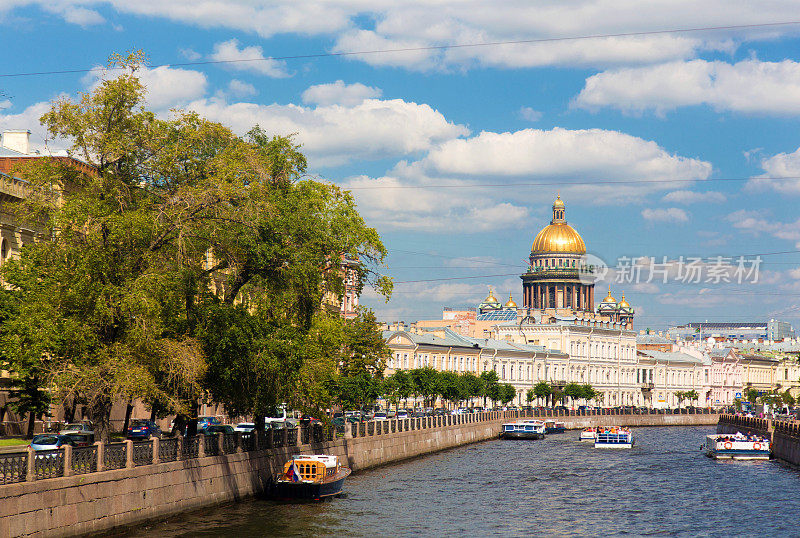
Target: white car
[[402, 414], [380, 415], [245, 427]]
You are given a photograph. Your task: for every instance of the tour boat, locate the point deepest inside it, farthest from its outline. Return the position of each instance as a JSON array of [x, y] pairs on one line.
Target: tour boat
[[737, 446], [551, 426], [587, 434], [523, 429], [614, 437], [310, 477]]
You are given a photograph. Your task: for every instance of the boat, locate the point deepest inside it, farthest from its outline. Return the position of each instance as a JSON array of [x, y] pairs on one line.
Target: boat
[[551, 426], [587, 434], [310, 477], [523, 429], [615, 437], [737, 446]]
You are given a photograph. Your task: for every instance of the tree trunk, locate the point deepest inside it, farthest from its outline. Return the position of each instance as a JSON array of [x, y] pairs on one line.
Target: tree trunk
[[153, 414], [31, 421], [127, 421], [191, 427], [258, 419], [100, 415]]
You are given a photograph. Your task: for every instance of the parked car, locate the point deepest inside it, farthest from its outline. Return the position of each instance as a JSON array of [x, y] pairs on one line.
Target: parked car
[[218, 428], [402, 414], [245, 427], [380, 415], [81, 439], [204, 422], [143, 429], [77, 427], [49, 441]]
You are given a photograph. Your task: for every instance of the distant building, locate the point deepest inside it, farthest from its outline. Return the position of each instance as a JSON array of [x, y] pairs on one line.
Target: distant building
[[772, 330]]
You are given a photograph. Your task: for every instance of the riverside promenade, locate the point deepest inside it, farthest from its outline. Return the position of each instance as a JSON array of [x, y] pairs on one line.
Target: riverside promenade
[[783, 434], [74, 491]]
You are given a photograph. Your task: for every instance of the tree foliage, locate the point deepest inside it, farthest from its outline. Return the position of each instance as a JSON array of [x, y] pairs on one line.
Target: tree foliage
[[187, 261]]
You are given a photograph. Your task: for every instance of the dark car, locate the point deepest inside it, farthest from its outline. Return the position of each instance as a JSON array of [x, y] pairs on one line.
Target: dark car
[[143, 429], [218, 428]]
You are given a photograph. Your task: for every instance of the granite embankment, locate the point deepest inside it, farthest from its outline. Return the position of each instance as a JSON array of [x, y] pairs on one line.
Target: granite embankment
[[76, 491]]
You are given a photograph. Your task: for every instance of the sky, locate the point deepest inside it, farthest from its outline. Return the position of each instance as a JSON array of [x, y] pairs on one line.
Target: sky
[[677, 153]]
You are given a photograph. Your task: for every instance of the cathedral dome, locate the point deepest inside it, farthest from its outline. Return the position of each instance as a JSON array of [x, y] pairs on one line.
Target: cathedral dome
[[558, 236], [623, 303], [510, 303]]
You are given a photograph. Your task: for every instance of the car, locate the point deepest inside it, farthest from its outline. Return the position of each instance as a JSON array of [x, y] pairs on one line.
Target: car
[[81, 439], [50, 441], [203, 422], [143, 429], [245, 427], [77, 427], [401, 414], [380, 415], [390, 414], [218, 428]]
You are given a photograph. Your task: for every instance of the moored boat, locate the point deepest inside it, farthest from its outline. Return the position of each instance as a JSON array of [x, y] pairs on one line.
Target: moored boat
[[737, 446], [523, 429], [310, 477], [614, 437], [587, 434], [551, 426]]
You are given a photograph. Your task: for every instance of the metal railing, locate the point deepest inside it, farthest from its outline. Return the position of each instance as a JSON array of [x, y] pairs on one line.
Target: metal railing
[[142, 453], [168, 449], [48, 464], [13, 467], [84, 459], [115, 455]]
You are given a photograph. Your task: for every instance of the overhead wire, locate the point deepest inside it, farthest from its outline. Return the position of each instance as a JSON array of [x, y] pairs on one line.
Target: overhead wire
[[422, 48]]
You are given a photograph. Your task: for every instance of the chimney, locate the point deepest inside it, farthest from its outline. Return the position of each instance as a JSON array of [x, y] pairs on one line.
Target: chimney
[[18, 140]]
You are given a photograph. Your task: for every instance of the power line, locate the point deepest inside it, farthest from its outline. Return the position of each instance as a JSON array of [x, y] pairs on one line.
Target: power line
[[563, 183], [423, 48]]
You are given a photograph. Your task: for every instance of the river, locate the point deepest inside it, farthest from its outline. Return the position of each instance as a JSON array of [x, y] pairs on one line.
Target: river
[[556, 486]]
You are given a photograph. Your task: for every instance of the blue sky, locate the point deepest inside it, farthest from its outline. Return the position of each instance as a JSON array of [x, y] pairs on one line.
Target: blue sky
[[663, 113]]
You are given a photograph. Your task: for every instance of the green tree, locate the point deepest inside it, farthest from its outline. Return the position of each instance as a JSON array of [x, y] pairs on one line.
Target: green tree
[[507, 393], [787, 397], [450, 387], [751, 395], [178, 222], [530, 395], [691, 395], [574, 391], [543, 390], [588, 392], [489, 380], [473, 385], [680, 395], [425, 381]]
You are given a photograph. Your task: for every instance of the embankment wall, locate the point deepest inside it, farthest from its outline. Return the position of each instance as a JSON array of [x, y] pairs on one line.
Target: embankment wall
[[99, 501], [784, 434]]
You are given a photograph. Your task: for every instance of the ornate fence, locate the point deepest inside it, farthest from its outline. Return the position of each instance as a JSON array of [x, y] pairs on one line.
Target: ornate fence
[[84, 459], [168, 449], [13, 468], [115, 455]]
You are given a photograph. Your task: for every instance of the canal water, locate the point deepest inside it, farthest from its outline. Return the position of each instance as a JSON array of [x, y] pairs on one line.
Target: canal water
[[556, 486]]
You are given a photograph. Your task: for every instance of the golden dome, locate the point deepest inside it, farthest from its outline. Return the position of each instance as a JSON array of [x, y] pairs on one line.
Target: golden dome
[[491, 298], [558, 236], [510, 303], [610, 298], [623, 303]]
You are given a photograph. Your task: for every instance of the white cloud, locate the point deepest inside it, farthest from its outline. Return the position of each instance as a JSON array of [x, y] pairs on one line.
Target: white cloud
[[753, 222], [334, 135], [167, 87], [75, 14], [749, 86], [238, 88], [795, 273], [29, 119], [339, 93], [190, 54], [562, 153], [247, 59], [355, 25], [530, 114], [782, 165], [692, 197], [667, 214]]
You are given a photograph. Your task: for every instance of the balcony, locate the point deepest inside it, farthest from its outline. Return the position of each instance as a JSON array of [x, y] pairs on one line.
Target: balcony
[[646, 387]]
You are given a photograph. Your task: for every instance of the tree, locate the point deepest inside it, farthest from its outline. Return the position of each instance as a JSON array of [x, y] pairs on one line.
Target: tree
[[574, 391], [787, 397], [507, 393], [543, 390], [473, 385], [680, 395], [450, 387], [425, 381], [751, 395], [588, 392], [691, 395], [178, 224], [489, 379], [530, 395], [405, 387]]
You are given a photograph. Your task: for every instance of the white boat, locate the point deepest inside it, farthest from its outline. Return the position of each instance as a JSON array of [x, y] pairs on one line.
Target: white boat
[[587, 434], [614, 437], [523, 429], [737, 446]]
